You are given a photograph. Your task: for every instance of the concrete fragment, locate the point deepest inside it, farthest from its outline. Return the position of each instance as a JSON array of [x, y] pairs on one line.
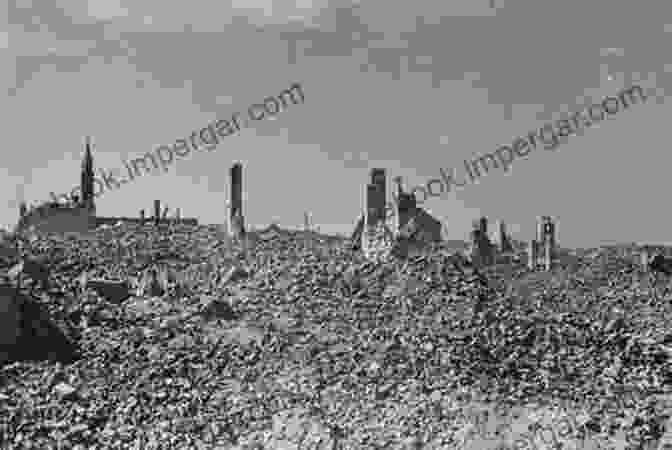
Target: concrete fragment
[[233, 275], [115, 291], [65, 391], [150, 284], [215, 308]]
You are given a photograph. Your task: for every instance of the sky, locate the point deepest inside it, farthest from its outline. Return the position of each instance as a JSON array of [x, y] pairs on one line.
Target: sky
[[407, 86]]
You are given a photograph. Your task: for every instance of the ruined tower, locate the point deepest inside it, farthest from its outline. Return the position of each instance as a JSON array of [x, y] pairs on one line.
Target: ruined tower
[[236, 220], [405, 203], [86, 183], [376, 196]]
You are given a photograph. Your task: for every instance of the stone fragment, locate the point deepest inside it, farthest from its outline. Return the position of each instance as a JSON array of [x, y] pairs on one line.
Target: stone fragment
[[150, 283], [65, 391], [215, 308], [233, 275], [115, 291]]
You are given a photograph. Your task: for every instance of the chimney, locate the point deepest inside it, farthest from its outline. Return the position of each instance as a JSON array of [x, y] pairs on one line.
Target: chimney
[[376, 196], [236, 221]]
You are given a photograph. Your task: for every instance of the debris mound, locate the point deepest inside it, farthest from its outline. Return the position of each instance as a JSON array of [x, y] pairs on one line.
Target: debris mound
[[293, 339]]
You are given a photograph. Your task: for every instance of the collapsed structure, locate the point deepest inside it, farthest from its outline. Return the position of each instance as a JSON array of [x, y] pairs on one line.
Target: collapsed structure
[[381, 229], [543, 247], [384, 228], [79, 214], [377, 234]]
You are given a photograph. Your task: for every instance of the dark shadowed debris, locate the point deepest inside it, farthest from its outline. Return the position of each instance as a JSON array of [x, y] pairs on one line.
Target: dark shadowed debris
[[153, 282], [115, 291], [36, 270], [660, 264], [215, 308], [39, 338], [234, 274], [10, 320]]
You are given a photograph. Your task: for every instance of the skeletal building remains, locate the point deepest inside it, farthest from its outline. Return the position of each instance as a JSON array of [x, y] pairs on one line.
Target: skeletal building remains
[[544, 245], [482, 250], [501, 239], [409, 224], [79, 214]]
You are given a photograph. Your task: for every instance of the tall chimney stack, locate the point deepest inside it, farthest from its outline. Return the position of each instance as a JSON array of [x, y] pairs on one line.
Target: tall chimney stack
[[236, 221]]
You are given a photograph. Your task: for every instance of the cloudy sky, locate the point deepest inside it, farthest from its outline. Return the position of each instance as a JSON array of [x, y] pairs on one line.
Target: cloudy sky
[[409, 86]]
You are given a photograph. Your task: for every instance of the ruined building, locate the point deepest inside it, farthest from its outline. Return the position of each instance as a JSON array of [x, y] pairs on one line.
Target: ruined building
[[414, 222], [409, 223], [79, 215]]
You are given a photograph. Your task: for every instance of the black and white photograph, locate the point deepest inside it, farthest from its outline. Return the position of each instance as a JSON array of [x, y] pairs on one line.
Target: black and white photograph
[[335, 225]]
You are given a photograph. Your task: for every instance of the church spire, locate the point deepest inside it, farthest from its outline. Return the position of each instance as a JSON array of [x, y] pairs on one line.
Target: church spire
[[87, 176]]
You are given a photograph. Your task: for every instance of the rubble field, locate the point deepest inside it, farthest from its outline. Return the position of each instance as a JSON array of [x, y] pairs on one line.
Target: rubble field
[[291, 340]]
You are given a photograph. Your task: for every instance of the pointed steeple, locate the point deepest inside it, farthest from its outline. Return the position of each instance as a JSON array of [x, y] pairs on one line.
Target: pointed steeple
[[87, 176]]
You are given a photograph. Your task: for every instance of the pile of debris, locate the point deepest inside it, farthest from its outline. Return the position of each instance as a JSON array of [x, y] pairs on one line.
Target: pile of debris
[[282, 342]]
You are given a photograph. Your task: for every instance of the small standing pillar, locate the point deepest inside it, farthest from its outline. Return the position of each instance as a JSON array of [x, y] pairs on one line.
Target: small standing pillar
[[532, 254], [157, 211], [483, 226], [644, 256], [474, 237], [481, 247], [236, 221], [394, 206], [365, 232], [548, 255], [505, 245], [546, 240], [375, 197], [306, 221], [485, 246], [374, 210]]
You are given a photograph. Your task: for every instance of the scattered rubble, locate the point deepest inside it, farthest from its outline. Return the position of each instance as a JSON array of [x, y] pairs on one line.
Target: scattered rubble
[[173, 335], [285, 344]]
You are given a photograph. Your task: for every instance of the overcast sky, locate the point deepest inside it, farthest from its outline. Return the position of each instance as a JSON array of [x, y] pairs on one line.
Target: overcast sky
[[409, 86]]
